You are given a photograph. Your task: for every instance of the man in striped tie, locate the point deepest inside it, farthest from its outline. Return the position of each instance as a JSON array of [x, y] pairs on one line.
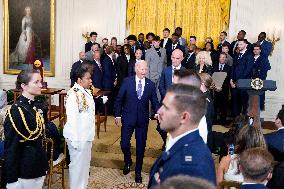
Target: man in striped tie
[[132, 111]]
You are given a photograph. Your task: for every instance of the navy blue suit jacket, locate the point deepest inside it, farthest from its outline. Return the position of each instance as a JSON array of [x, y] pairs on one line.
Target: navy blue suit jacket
[[109, 73], [132, 110], [275, 139], [220, 45], [97, 77], [242, 67], [261, 67], [166, 80], [266, 48], [189, 61], [253, 186], [188, 156], [169, 43], [88, 46], [131, 67]]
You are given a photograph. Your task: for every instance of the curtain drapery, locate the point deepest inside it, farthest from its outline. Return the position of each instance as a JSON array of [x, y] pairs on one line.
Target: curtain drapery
[[202, 18]]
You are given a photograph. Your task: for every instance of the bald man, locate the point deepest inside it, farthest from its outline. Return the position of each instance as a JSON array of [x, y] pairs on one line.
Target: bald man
[[132, 110], [76, 65], [167, 80]]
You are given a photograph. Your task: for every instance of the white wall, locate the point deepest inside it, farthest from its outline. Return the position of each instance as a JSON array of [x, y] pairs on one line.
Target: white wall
[[107, 17], [255, 16]]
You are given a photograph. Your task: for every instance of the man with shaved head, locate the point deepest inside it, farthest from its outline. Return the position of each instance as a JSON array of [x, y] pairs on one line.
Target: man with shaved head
[[132, 111], [76, 65], [167, 80]]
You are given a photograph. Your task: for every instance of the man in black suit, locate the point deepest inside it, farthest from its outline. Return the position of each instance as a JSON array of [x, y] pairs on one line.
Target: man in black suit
[[97, 76], [132, 40], [140, 42], [166, 41], [122, 64], [175, 45], [223, 41], [132, 62], [93, 38], [221, 95], [189, 61], [234, 45], [75, 66], [241, 69]]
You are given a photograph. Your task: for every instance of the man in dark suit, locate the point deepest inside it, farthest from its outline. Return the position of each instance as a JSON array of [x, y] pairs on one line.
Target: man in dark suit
[[256, 165], [223, 36], [276, 139], [140, 42], [109, 72], [266, 46], [132, 110], [131, 66], [260, 68], [122, 64], [189, 61], [132, 40], [221, 95], [175, 45], [75, 66], [241, 69], [234, 45], [97, 76], [166, 41], [166, 81], [93, 38], [186, 153]]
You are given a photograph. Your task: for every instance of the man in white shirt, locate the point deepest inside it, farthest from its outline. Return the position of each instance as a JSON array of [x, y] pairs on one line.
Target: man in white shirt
[[166, 41]]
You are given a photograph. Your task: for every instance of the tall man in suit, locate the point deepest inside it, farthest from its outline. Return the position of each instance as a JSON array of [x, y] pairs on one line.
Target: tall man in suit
[[166, 81], [93, 36], [223, 40], [221, 96], [241, 69], [186, 153], [234, 45], [275, 139], [260, 68], [175, 45], [266, 46], [156, 57], [256, 165], [131, 66], [132, 110], [123, 63], [140, 42], [132, 40], [166, 41], [75, 66], [97, 77]]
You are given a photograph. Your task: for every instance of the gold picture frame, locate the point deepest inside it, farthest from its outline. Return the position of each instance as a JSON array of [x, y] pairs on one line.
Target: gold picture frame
[[29, 34]]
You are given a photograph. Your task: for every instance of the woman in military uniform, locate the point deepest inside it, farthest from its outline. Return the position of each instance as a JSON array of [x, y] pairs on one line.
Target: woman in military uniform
[[24, 150], [79, 130]]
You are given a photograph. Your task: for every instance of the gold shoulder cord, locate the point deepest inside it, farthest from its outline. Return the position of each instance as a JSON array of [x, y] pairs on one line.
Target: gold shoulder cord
[[39, 126]]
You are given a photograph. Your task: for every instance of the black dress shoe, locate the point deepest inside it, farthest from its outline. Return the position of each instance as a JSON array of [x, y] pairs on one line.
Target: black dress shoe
[[138, 178], [126, 168]]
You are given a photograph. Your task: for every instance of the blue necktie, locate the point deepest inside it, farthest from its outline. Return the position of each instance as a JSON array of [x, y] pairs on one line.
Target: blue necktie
[[139, 90]]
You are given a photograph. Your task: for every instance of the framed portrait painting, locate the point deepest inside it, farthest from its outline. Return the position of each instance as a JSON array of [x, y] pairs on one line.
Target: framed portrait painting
[[29, 35]]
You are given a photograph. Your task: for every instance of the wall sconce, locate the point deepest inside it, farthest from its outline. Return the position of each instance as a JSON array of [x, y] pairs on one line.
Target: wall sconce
[[273, 36], [86, 32]]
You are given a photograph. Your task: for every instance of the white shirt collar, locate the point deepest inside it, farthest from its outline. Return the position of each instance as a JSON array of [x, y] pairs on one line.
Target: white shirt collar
[[243, 51], [172, 141], [177, 68], [81, 61], [256, 56], [281, 128], [109, 56]]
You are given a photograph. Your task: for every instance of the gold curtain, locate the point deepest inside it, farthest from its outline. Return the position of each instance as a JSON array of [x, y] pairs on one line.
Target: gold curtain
[[202, 18]]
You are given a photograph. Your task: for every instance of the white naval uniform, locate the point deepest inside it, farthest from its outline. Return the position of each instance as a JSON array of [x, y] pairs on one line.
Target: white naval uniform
[[79, 132]]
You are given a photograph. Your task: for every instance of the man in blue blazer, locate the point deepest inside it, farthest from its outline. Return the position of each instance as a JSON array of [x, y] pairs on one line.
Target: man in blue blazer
[[109, 72], [241, 69], [256, 165], [276, 139], [166, 81], [266, 46], [186, 153], [132, 110], [97, 76]]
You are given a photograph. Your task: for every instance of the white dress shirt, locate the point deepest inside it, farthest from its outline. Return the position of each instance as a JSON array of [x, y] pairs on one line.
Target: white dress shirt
[[127, 57], [165, 42], [137, 82], [172, 141], [203, 132]]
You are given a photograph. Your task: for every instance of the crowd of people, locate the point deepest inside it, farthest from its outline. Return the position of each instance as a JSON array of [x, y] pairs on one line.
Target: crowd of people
[[168, 80]]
